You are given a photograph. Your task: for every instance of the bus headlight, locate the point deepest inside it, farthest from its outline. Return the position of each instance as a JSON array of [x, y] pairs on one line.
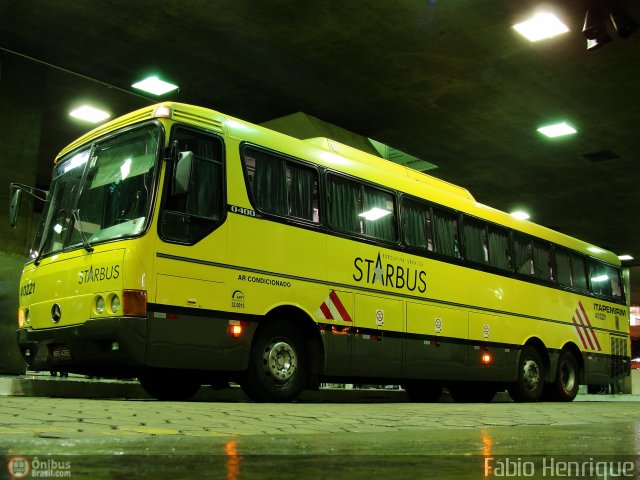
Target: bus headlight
[[99, 305], [115, 304]]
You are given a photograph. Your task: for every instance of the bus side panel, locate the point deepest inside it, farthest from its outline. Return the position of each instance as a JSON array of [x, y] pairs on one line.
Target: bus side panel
[[378, 339], [434, 346]]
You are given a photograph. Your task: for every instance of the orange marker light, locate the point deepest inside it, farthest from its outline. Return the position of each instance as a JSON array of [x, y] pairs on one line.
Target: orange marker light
[[236, 330], [486, 358]]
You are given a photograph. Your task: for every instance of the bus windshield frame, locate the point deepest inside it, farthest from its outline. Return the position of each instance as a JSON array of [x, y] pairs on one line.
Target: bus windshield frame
[[101, 192]]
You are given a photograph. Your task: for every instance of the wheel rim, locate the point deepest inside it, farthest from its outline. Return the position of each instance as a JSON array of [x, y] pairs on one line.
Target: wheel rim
[[280, 361], [567, 377], [531, 374]]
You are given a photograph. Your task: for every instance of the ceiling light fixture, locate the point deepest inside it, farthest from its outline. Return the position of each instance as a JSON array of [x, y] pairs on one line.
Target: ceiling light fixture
[[540, 26], [520, 215], [625, 257], [557, 130], [89, 114], [155, 86]]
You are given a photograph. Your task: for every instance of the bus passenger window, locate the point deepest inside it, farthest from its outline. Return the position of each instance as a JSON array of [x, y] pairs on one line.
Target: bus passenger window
[[563, 264], [605, 280], [418, 230], [475, 241], [280, 186], [499, 253], [542, 261], [379, 214], [445, 226], [523, 255], [344, 205], [578, 271]]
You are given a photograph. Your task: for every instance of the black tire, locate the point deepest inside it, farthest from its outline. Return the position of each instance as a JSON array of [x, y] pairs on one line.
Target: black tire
[[530, 383], [277, 369], [169, 385], [565, 386], [423, 391], [472, 392]]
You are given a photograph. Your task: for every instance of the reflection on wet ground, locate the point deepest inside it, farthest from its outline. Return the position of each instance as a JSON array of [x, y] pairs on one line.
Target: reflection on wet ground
[[579, 440]]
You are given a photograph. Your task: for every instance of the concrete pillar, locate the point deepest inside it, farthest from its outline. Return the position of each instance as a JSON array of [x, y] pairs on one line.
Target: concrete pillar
[[22, 93], [21, 112]]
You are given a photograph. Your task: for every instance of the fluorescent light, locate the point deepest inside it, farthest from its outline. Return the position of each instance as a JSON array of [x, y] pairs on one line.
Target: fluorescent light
[[600, 278], [375, 213], [520, 215], [89, 114], [625, 257], [557, 130], [595, 250], [155, 85], [541, 26], [125, 168]]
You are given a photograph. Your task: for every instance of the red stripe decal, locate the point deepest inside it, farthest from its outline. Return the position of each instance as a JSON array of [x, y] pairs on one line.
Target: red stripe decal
[[575, 324], [586, 331], [339, 306], [593, 333], [325, 310]]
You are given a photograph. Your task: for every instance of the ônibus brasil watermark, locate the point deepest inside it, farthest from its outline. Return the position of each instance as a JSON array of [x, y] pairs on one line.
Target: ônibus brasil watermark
[[23, 467]]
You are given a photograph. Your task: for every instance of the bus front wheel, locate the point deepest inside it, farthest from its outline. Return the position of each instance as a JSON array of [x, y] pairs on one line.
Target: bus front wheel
[[530, 383], [278, 364]]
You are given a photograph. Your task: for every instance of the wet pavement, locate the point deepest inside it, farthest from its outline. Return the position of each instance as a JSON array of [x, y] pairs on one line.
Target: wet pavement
[[331, 434]]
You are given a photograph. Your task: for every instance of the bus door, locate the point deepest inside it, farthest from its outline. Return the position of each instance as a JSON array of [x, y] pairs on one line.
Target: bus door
[[190, 284], [378, 337]]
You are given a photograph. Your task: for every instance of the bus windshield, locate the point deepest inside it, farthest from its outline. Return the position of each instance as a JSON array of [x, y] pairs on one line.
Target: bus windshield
[[100, 192]]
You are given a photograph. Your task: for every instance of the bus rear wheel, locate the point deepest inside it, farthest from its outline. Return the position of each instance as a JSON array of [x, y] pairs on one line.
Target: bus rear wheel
[[530, 383], [277, 369], [564, 387], [169, 385]]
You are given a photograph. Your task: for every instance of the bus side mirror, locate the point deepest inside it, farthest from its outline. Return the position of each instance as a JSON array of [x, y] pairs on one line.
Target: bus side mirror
[[14, 207], [182, 173]]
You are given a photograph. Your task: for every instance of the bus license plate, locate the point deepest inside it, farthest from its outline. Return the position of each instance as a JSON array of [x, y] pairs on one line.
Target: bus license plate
[[61, 352]]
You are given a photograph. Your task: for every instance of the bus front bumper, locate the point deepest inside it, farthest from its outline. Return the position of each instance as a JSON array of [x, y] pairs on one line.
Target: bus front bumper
[[104, 347]]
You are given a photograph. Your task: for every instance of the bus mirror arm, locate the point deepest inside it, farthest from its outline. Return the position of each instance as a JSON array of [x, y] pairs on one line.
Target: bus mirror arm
[[14, 204], [182, 173]]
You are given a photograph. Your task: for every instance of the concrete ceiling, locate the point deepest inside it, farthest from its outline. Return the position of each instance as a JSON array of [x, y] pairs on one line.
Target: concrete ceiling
[[449, 82]]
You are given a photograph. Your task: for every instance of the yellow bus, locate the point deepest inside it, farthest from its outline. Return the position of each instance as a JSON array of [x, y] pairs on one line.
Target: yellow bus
[[185, 247]]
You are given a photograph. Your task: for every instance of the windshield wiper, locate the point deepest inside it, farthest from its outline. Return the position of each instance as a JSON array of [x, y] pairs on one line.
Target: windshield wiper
[[85, 242]]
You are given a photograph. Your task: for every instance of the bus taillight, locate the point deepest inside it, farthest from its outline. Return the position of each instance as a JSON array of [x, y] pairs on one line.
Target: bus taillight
[[134, 303]]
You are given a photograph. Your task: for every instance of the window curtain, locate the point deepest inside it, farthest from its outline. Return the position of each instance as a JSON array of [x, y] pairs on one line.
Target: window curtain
[[344, 205], [205, 192], [578, 272], [563, 264], [499, 255], [383, 227], [475, 248], [542, 261], [301, 192], [415, 226], [270, 184], [445, 228], [523, 255]]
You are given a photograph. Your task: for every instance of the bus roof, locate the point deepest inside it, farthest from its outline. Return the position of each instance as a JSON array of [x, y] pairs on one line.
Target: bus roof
[[348, 160]]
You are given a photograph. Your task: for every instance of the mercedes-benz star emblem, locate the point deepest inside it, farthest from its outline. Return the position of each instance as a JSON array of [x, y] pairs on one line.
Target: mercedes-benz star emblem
[[56, 313]]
